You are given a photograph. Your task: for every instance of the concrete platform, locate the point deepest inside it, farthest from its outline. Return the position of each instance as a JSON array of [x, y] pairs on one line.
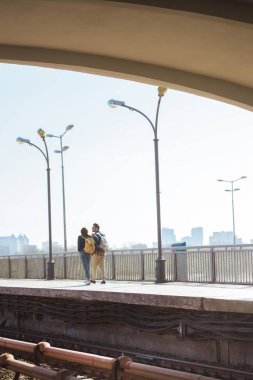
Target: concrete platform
[[190, 296]]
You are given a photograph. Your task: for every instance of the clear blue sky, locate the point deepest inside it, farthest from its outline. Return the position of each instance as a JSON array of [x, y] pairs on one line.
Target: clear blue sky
[[109, 168]]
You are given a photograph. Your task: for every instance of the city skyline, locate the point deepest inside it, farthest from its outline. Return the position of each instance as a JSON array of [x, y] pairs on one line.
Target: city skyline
[[109, 167], [20, 244]]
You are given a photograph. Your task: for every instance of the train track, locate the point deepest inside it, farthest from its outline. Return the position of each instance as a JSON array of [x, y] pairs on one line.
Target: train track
[[153, 359]]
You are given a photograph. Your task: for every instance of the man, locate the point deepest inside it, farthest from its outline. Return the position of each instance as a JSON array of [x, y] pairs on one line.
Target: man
[[85, 256], [98, 258]]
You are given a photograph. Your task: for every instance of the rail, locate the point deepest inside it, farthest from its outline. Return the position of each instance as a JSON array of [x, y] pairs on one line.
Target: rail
[[144, 371], [9, 362], [121, 368], [231, 264], [152, 359]]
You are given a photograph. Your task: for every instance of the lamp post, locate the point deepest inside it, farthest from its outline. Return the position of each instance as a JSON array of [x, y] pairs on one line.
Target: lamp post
[[232, 190], [50, 264], [63, 149], [160, 261]]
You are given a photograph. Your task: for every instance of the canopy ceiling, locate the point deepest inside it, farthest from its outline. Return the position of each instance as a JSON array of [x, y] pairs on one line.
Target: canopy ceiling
[[199, 46]]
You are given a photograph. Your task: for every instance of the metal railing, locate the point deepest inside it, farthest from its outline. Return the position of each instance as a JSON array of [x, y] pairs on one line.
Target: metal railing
[[207, 264]]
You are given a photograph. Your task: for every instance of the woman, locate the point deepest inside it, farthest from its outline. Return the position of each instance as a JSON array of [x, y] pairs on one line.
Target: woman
[[85, 256]]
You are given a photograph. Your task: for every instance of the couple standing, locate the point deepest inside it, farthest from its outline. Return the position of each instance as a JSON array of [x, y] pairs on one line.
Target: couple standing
[[97, 258]]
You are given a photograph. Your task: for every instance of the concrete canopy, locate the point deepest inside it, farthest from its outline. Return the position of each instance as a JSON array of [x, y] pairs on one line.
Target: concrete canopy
[[199, 46]]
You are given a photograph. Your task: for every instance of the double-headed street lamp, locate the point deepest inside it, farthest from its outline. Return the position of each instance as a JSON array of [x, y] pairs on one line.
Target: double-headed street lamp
[[63, 149], [232, 193], [50, 264], [160, 262]]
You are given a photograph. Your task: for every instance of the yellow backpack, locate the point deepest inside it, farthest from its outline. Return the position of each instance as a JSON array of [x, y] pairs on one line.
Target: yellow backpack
[[89, 245]]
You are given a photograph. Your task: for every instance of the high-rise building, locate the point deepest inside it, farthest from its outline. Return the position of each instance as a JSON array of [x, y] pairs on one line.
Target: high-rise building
[[224, 237], [22, 242], [8, 244], [11, 245], [168, 237], [197, 236]]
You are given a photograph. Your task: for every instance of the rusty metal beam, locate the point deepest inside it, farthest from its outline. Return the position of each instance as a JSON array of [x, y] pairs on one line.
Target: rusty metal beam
[[8, 361]]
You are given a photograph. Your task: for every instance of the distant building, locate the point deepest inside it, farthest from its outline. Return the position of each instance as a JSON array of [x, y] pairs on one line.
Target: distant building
[[56, 247], [22, 242], [138, 246], [4, 250], [223, 237], [168, 237], [187, 240], [197, 236], [30, 248], [10, 245]]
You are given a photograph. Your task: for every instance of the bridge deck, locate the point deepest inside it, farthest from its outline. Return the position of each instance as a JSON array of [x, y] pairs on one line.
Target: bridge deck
[[192, 296]]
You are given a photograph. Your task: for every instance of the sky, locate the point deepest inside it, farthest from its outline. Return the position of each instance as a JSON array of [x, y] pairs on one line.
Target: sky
[[109, 166]]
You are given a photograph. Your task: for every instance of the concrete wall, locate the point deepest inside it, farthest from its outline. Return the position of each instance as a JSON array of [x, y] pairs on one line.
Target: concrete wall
[[135, 328]]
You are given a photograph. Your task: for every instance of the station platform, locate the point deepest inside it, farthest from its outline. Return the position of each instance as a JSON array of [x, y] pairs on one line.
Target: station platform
[[189, 296]]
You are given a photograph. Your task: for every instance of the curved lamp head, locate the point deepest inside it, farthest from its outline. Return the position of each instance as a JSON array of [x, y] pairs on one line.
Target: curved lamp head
[[69, 127], [63, 149], [114, 103], [161, 91], [223, 180], [41, 133], [20, 140]]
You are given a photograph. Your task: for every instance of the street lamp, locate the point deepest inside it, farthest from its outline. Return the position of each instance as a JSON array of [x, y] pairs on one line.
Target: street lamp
[[63, 149], [232, 190], [160, 261], [50, 264]]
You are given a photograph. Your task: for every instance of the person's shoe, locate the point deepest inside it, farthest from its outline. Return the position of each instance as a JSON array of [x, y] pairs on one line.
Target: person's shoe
[[86, 282], [93, 282], [103, 282]]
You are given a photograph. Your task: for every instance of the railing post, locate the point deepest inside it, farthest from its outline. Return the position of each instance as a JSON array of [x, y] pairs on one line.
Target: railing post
[[175, 264], [9, 267], [142, 274], [213, 266], [113, 267], [26, 270], [45, 267], [64, 266]]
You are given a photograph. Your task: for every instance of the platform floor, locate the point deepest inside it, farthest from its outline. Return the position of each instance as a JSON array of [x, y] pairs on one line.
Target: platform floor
[[192, 296]]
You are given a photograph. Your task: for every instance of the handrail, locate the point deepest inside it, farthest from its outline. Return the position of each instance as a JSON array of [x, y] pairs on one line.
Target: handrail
[[144, 250]]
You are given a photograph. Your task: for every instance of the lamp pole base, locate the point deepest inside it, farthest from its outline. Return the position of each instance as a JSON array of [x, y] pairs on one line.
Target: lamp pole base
[[160, 271], [50, 270]]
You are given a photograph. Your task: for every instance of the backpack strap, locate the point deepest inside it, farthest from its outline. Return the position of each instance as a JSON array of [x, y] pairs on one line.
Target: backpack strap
[[97, 238]]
